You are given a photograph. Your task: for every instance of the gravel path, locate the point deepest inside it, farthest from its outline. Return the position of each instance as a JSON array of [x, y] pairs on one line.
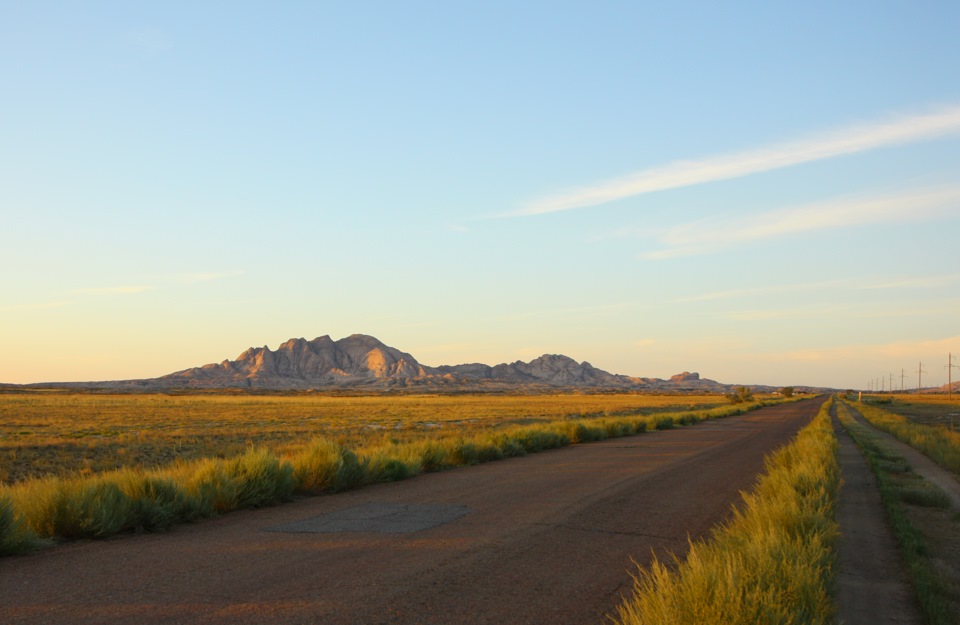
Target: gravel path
[[549, 538]]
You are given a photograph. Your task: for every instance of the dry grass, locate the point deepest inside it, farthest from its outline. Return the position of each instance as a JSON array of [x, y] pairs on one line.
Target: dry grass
[[922, 422], [132, 498], [61, 434]]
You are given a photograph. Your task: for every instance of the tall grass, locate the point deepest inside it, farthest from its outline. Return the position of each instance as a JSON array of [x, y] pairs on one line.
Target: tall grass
[[772, 563], [939, 443], [140, 500]]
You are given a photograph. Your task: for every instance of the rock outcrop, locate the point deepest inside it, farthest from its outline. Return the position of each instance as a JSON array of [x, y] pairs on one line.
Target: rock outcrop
[[299, 363], [363, 362]]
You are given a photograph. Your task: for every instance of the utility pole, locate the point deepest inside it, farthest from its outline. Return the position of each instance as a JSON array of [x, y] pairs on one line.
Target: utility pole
[[891, 383], [950, 368], [902, 375], [920, 373]]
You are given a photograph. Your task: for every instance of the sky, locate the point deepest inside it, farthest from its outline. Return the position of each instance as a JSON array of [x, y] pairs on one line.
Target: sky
[[762, 192]]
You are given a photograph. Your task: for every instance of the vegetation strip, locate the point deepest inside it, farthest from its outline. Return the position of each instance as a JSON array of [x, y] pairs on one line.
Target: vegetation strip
[[900, 487], [771, 563], [938, 443], [38, 512]]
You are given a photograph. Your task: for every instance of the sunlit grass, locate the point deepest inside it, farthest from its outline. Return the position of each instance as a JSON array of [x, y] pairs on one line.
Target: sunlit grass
[[62, 434], [772, 563], [137, 499], [939, 442]]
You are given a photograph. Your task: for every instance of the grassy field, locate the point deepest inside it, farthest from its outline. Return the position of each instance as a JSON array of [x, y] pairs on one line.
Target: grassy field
[[49, 433], [281, 457]]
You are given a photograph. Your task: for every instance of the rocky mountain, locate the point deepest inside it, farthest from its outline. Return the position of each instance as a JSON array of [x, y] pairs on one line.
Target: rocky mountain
[[299, 363], [364, 363], [361, 361]]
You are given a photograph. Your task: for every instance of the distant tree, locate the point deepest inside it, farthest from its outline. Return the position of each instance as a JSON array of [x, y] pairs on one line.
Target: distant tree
[[741, 396], [787, 391]]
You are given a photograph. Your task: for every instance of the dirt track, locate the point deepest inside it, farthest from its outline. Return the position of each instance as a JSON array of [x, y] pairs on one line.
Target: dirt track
[[544, 539]]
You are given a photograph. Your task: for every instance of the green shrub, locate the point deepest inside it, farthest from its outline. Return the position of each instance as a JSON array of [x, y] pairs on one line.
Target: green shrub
[[15, 536], [325, 466], [261, 478], [742, 395], [385, 468], [212, 486], [155, 503]]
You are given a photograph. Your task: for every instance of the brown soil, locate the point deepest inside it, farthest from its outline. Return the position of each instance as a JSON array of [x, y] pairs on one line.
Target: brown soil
[[550, 538]]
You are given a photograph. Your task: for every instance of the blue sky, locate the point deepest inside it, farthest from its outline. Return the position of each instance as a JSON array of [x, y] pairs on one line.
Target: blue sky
[[761, 192]]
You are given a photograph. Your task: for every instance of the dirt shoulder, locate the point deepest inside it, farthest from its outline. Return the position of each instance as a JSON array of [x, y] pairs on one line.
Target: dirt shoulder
[[872, 586], [921, 464], [547, 538]]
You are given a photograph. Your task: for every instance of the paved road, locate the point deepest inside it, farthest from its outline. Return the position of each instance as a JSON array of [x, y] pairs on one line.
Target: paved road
[[548, 538]]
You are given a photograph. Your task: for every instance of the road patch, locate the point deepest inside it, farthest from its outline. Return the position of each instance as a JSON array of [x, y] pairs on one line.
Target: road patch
[[383, 518]]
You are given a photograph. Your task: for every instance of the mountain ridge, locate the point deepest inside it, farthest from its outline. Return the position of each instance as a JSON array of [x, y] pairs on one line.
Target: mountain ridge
[[364, 363]]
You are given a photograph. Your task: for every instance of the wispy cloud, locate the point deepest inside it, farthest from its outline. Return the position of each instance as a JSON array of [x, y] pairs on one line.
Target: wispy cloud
[[850, 140], [714, 234], [112, 290]]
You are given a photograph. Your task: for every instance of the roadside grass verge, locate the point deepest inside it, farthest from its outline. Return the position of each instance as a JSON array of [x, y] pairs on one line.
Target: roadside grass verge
[[41, 511], [771, 563], [905, 494], [939, 443]]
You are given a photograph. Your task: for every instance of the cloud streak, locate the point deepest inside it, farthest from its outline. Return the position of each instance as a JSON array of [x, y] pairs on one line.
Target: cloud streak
[[851, 140], [712, 235]]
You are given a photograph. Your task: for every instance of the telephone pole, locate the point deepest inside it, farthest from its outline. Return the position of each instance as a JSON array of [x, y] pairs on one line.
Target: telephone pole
[[950, 368], [891, 383], [920, 373], [902, 376]]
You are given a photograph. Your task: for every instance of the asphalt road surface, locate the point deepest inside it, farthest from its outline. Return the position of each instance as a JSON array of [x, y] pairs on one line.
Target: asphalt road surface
[[548, 538]]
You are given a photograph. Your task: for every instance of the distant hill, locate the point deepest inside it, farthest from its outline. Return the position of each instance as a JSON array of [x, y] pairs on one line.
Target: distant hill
[[365, 363], [361, 361]]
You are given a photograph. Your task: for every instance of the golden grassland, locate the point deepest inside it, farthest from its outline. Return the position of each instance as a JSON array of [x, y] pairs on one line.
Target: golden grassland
[[305, 460], [60, 434], [772, 563]]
